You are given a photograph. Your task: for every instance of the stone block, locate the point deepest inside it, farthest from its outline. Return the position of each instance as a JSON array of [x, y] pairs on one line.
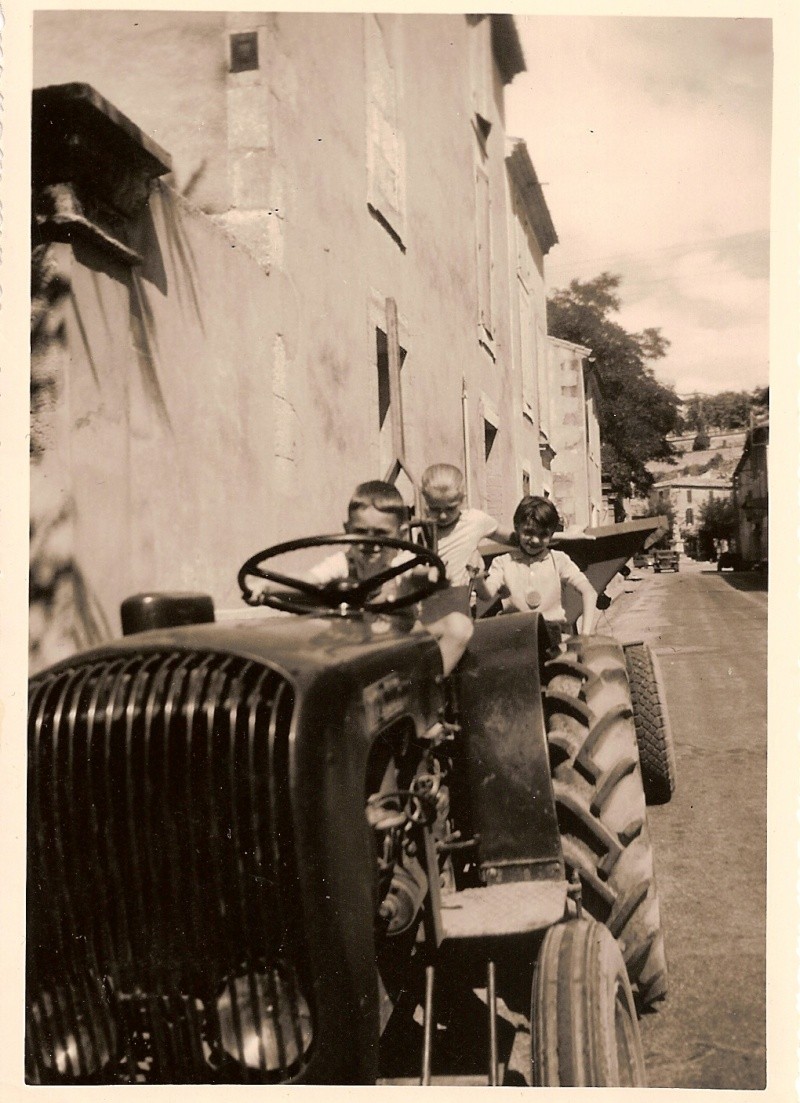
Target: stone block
[[248, 117], [250, 179]]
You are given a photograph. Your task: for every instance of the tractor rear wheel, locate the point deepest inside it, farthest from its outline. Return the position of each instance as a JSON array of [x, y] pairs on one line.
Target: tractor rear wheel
[[597, 784], [653, 730], [584, 1030]]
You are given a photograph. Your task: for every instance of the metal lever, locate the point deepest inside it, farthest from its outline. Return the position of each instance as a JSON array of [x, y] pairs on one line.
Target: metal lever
[[427, 1028], [491, 1000]]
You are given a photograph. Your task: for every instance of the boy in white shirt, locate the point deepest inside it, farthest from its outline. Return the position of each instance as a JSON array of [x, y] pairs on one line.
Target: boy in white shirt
[[531, 576], [459, 530], [377, 509]]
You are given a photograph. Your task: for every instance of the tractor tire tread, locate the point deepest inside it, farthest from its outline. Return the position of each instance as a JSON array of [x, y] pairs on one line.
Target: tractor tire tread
[[653, 730], [601, 810]]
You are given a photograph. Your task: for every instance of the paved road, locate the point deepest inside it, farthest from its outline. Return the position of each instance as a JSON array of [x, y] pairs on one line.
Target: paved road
[[710, 633]]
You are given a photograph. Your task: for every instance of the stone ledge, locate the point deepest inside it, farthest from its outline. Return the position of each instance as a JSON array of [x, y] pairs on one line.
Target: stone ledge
[[91, 169]]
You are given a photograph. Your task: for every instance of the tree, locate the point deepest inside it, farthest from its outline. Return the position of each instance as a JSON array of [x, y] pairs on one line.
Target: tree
[[662, 507], [717, 521], [761, 398], [637, 412], [726, 410]]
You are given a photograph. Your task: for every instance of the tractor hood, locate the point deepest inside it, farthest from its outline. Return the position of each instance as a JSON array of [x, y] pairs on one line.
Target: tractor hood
[[297, 646]]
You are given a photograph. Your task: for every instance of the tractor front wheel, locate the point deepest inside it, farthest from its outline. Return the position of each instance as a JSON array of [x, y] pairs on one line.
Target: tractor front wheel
[[653, 730], [584, 1030]]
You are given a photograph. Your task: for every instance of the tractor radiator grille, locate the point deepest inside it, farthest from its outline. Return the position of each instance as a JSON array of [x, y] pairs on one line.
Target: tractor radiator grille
[[164, 934]]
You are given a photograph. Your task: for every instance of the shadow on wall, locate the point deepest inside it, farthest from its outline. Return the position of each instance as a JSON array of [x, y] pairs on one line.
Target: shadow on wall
[[65, 613]]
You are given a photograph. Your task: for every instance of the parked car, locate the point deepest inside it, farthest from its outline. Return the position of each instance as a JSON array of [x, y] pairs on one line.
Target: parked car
[[642, 559], [729, 561], [666, 559]]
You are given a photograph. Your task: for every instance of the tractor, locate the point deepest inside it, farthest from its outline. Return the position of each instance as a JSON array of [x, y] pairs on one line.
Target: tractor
[[287, 850]]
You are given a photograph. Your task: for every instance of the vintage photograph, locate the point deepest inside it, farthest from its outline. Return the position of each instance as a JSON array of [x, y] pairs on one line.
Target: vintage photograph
[[399, 549]]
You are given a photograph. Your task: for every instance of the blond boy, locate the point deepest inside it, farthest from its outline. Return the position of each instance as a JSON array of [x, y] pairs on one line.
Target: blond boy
[[459, 530]]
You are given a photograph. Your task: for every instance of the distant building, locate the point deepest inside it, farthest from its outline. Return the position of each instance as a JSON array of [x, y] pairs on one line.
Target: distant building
[[751, 495], [717, 462], [687, 495], [575, 435]]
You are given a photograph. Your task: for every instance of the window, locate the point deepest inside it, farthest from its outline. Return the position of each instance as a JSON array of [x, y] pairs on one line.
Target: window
[[483, 234], [244, 51], [495, 473], [690, 516], [385, 150], [480, 64], [385, 396], [489, 437], [526, 352], [541, 375], [688, 495], [526, 482]]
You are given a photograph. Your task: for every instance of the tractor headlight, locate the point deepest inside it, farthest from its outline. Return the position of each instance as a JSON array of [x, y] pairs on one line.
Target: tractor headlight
[[70, 1031], [264, 1019]]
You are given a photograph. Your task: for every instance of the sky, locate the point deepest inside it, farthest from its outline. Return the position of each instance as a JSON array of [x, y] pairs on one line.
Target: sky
[[651, 137]]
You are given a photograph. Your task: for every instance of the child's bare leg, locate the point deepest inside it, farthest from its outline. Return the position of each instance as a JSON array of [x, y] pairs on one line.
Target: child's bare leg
[[452, 633]]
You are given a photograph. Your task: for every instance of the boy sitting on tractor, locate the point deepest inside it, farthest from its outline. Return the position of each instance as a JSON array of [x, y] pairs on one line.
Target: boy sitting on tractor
[[531, 576], [376, 509], [459, 531]]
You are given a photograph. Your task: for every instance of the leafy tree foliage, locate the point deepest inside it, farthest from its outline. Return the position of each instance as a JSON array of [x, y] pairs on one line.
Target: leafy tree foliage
[[717, 521], [761, 398], [662, 507], [726, 410], [718, 518], [637, 412]]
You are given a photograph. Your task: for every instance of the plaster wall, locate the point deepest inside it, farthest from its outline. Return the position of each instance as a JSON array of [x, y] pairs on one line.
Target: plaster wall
[[155, 446], [280, 157], [575, 471], [225, 396], [166, 72]]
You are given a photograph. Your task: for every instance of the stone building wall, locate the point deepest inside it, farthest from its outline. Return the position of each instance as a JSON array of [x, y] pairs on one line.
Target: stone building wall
[[574, 436], [229, 392], [154, 423]]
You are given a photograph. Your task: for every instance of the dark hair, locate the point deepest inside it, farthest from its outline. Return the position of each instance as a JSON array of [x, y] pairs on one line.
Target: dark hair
[[537, 511], [379, 495]]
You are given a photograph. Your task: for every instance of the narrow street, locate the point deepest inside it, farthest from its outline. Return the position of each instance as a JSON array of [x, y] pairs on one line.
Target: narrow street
[[709, 631]]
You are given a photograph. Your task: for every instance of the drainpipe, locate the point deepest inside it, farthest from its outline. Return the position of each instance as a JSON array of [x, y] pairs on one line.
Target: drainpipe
[[465, 431]]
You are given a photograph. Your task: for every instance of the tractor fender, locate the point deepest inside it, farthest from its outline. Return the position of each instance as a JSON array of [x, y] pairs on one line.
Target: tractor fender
[[505, 750]]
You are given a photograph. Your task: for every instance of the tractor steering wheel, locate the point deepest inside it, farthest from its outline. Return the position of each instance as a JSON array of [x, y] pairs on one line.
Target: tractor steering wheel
[[345, 594]]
